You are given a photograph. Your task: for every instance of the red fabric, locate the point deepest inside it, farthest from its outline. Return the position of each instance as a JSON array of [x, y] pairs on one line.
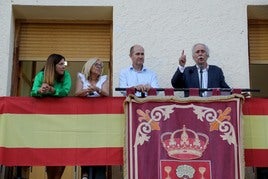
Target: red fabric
[[256, 157], [169, 91], [130, 91], [17, 156], [67, 105], [72, 105], [194, 92], [255, 106], [67, 156], [152, 92], [151, 126], [236, 91], [216, 92]]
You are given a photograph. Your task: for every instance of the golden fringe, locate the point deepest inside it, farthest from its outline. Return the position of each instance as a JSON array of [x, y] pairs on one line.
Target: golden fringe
[[136, 99], [133, 98]]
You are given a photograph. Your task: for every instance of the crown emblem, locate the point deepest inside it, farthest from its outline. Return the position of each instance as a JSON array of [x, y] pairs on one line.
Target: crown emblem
[[184, 143]]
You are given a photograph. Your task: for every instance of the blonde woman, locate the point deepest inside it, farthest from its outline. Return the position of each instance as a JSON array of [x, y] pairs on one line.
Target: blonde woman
[[90, 82]]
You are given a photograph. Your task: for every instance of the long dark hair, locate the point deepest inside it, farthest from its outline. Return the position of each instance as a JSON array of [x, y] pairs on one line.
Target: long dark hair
[[50, 69]]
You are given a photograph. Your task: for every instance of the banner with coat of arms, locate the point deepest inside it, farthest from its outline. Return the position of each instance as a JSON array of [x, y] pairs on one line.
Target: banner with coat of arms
[[184, 138]]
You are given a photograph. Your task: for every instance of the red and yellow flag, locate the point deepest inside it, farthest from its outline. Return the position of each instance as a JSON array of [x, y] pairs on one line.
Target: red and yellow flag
[[82, 131], [255, 120], [61, 131]]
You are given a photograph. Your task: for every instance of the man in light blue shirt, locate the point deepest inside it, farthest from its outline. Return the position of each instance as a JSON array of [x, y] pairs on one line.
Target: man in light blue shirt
[[137, 75]]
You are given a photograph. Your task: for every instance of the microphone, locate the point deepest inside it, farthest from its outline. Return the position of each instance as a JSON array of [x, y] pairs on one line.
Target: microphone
[[201, 82], [201, 78]]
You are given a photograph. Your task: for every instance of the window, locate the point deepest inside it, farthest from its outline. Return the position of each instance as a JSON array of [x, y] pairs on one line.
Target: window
[[75, 41], [258, 48]]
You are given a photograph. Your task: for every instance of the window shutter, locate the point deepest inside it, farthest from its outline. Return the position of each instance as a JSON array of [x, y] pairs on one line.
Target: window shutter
[[76, 42], [258, 42]]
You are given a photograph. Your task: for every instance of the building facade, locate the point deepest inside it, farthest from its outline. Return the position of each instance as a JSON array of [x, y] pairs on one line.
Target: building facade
[[163, 27]]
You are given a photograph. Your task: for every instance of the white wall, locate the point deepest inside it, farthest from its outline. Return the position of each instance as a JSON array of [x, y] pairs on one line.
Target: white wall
[[6, 47], [164, 28], [168, 27]]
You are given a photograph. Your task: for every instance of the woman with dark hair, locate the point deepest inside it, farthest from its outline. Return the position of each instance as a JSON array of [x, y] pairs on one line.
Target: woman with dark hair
[[54, 81]]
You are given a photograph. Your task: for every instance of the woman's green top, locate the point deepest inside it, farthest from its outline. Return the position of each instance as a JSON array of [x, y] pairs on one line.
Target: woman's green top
[[61, 88]]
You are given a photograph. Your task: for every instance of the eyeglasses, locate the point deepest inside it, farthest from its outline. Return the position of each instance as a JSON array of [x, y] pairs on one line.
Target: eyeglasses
[[98, 65]]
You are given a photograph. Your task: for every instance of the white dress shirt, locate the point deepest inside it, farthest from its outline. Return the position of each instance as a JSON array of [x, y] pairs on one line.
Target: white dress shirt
[[129, 77]]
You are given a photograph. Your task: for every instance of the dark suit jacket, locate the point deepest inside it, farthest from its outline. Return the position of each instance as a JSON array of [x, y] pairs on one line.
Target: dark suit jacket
[[189, 78]]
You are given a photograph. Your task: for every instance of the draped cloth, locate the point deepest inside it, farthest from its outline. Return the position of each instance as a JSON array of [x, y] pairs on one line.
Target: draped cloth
[[61, 131], [169, 137], [255, 118]]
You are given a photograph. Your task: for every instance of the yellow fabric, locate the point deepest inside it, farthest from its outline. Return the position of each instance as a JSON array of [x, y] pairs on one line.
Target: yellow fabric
[[255, 131], [67, 131]]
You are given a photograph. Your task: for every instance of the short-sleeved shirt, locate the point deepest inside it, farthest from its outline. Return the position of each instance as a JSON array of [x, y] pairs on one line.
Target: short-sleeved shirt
[[86, 83]]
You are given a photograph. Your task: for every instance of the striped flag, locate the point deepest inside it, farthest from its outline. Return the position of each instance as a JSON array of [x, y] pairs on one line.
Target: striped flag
[[255, 118], [61, 131]]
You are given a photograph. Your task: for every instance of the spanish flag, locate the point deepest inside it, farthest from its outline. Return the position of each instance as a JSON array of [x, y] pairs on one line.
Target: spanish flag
[[61, 131], [90, 131], [255, 117]]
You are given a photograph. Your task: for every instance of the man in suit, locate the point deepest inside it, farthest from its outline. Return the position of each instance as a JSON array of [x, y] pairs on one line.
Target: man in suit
[[201, 75]]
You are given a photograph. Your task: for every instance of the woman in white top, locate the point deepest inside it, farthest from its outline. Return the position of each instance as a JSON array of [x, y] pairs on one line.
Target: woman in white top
[[90, 82]]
